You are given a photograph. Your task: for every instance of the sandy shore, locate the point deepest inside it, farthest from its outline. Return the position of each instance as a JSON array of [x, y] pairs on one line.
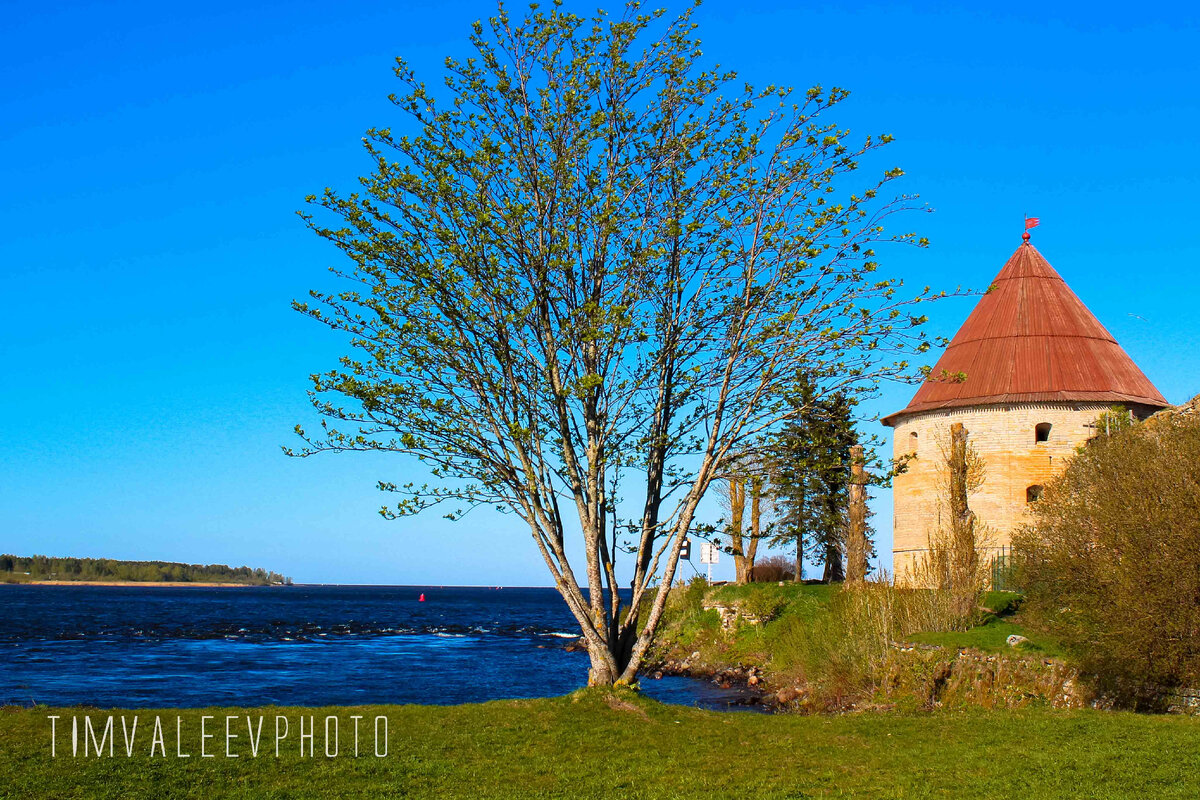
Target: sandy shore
[[197, 584]]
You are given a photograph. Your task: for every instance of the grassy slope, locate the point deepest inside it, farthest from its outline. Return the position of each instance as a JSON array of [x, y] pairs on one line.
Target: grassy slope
[[594, 744], [800, 605], [992, 635], [684, 628]]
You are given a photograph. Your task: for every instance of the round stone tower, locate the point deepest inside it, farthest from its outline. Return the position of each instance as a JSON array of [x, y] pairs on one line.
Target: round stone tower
[[1039, 369]]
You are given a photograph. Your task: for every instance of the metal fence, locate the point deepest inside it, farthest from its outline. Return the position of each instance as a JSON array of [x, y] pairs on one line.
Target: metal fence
[[1004, 571]]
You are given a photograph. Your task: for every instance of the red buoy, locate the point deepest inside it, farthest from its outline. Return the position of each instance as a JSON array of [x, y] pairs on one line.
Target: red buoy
[[421, 599]]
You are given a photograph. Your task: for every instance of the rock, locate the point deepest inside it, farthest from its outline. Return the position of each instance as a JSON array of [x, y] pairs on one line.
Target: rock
[[1015, 640], [752, 680], [786, 695]]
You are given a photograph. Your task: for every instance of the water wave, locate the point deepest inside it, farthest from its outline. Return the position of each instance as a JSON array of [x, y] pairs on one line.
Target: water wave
[[278, 631]]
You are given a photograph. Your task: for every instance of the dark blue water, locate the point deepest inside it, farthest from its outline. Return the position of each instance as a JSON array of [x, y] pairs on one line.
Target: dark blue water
[[304, 645]]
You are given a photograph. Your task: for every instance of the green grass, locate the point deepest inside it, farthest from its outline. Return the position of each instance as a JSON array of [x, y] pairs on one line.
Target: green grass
[[1002, 603], [797, 595], [825, 649], [800, 606], [597, 744], [686, 627], [991, 636]]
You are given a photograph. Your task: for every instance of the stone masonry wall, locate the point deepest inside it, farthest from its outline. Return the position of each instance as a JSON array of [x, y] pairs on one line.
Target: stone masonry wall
[[1004, 435]]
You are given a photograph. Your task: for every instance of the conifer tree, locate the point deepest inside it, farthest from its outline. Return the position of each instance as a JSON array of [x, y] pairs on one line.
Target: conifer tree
[[811, 459]]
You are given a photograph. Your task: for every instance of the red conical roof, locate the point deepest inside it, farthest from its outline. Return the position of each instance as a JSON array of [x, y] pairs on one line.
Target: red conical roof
[[1030, 339]]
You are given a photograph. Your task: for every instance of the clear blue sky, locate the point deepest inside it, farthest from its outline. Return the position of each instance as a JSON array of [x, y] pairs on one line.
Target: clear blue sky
[[154, 154]]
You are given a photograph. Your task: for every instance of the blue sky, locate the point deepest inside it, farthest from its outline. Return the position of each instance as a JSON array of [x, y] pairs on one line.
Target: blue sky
[[154, 156]]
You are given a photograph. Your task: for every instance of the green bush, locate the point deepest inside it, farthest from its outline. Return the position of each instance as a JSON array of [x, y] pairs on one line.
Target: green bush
[[691, 599], [1111, 560]]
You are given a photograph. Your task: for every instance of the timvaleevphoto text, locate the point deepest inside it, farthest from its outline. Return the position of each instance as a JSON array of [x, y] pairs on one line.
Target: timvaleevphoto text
[[217, 736]]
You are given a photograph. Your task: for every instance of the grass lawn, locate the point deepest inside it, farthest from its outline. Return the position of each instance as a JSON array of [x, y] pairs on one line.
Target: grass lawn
[[598, 744], [992, 634]]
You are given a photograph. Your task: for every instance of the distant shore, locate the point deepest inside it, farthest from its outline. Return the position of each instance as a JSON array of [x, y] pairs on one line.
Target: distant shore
[[167, 584]]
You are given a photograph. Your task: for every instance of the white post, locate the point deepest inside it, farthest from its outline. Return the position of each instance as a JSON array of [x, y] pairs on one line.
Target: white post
[[709, 555]]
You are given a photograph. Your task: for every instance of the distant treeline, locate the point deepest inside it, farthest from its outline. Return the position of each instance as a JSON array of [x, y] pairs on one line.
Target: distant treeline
[[44, 568]]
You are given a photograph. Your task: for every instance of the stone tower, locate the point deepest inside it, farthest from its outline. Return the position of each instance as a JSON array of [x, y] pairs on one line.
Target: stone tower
[[1040, 368]]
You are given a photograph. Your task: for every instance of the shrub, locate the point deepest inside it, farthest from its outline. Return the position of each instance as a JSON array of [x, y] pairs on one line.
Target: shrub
[[773, 569], [691, 598], [1111, 560], [762, 606]]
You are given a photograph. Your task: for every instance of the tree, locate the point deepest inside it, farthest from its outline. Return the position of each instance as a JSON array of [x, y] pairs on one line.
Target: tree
[[745, 479], [953, 562], [810, 464], [581, 284], [732, 492]]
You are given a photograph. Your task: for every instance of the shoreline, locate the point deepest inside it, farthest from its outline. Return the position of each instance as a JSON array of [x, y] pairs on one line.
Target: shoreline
[[161, 584], [749, 682]]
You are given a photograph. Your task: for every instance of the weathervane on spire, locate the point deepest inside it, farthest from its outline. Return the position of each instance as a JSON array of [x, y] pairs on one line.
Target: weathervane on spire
[[1030, 222]]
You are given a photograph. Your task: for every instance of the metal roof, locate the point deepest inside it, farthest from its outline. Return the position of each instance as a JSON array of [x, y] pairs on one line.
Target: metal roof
[[1030, 339]]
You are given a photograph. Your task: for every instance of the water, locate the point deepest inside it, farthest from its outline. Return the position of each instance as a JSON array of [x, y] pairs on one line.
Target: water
[[160, 647]]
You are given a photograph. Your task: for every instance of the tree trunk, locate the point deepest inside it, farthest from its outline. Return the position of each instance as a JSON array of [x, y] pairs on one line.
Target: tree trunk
[[856, 536], [800, 523], [600, 674], [833, 565], [799, 576], [964, 556], [742, 569], [756, 485], [737, 512]]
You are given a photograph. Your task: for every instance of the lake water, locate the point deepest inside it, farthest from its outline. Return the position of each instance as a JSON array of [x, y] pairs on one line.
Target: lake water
[[159, 647]]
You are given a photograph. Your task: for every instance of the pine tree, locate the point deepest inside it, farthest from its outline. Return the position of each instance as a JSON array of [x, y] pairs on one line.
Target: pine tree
[[811, 476]]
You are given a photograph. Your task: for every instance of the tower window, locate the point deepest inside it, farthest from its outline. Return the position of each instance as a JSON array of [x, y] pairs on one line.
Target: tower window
[[912, 441], [1041, 432], [1033, 494]]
